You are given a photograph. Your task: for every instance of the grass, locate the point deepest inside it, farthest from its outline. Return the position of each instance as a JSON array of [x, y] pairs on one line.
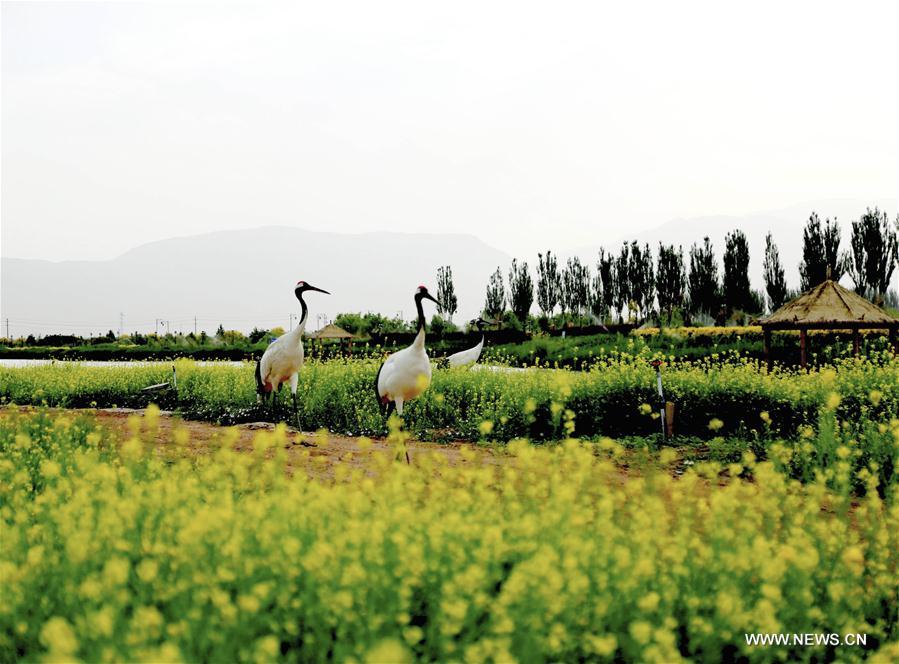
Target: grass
[[610, 399], [683, 344]]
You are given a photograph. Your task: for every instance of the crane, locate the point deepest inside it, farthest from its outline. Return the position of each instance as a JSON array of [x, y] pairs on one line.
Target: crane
[[405, 374], [282, 360], [470, 356]]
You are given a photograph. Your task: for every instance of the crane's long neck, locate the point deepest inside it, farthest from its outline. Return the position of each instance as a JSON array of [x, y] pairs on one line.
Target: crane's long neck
[[420, 337], [304, 313], [297, 332]]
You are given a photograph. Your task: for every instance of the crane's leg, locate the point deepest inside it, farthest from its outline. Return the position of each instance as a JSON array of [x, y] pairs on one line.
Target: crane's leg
[[399, 411], [260, 386], [274, 400], [293, 392]]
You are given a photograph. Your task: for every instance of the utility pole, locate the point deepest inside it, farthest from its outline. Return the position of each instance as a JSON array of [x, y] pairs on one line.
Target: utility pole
[[292, 316], [195, 326], [7, 330], [157, 327], [121, 323]]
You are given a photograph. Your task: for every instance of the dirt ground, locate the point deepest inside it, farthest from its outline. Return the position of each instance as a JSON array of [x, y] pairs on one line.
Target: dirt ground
[[308, 451], [303, 448]]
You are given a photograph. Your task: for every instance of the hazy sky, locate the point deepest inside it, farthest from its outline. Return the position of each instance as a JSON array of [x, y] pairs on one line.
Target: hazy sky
[[525, 124]]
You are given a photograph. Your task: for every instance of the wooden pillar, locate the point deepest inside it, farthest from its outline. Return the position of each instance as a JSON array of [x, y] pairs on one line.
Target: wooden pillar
[[803, 348], [768, 359], [856, 342]]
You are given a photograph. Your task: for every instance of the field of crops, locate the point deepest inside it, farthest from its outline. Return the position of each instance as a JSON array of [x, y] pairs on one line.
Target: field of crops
[[774, 509], [120, 549]]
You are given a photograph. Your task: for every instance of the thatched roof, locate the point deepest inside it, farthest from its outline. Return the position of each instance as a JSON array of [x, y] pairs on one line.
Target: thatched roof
[[829, 305], [331, 332]]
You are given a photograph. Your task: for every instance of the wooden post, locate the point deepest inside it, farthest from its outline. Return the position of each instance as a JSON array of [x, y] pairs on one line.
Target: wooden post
[[768, 359], [669, 418], [856, 342], [803, 348]]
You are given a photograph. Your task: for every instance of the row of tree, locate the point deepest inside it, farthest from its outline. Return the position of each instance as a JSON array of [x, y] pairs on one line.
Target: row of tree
[[634, 283]]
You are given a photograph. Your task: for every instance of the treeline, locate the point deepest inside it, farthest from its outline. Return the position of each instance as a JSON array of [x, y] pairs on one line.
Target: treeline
[[636, 285], [221, 339]]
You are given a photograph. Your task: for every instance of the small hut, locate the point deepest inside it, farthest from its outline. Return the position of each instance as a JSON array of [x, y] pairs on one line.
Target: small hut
[[828, 306], [332, 331]]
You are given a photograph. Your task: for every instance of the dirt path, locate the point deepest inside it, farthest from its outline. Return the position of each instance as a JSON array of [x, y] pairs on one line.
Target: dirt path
[[304, 449]]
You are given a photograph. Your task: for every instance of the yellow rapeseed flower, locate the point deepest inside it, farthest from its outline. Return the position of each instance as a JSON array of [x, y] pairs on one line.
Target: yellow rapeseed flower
[[641, 631], [59, 638], [388, 651]]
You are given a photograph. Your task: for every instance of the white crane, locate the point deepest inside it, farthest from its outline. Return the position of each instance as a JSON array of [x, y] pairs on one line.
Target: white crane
[[470, 356], [406, 373], [282, 360]]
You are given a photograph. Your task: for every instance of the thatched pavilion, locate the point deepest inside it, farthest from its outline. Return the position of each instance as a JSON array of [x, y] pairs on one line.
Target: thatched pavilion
[[332, 331], [828, 306]]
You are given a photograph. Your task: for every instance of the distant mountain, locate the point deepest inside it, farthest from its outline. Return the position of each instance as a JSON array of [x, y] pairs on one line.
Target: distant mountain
[[785, 225], [241, 279]]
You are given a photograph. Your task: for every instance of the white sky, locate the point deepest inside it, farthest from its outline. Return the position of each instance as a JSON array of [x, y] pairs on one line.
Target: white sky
[[528, 125]]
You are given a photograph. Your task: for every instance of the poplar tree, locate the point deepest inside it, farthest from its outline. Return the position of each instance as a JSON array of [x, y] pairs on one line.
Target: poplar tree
[[446, 292], [671, 281], [495, 303], [737, 294], [521, 290], [873, 255], [641, 279], [775, 281], [575, 286], [623, 292], [702, 283], [548, 283], [820, 251], [606, 283]]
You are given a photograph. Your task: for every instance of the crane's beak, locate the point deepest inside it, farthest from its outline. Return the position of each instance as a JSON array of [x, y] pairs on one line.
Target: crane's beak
[[318, 289], [432, 299]]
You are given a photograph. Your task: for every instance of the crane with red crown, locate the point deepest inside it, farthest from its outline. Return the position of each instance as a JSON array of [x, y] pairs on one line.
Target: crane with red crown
[[406, 374], [282, 360]]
